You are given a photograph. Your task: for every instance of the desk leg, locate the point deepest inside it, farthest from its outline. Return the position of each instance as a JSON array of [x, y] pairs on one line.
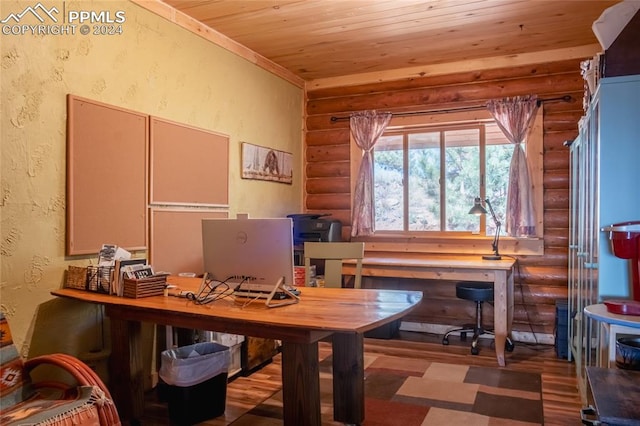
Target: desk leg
[[301, 384], [348, 378], [501, 301], [125, 368], [510, 297]]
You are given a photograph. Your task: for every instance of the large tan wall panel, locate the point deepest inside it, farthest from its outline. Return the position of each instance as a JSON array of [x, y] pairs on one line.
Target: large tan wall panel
[[106, 176]]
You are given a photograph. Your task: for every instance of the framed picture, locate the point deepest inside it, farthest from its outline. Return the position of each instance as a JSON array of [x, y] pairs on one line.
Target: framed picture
[[263, 163]]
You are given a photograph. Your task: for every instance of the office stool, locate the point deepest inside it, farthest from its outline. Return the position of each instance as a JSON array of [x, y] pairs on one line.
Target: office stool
[[478, 292]]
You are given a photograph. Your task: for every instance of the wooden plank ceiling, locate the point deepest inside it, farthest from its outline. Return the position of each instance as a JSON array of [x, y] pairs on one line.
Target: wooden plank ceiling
[[320, 39]]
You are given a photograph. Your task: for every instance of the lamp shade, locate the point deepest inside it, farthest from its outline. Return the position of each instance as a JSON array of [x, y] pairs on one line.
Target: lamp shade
[[477, 208]]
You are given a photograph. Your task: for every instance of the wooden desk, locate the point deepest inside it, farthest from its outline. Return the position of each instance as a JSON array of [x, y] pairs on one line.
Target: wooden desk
[[343, 314], [451, 267]]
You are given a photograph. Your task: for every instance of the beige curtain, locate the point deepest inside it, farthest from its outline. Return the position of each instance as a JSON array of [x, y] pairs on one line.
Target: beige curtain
[[515, 117], [366, 128]]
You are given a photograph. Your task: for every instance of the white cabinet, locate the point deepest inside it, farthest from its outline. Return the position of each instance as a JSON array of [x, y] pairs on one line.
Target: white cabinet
[[605, 189]]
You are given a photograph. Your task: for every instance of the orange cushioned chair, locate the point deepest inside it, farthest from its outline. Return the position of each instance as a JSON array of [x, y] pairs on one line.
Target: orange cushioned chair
[[24, 401]]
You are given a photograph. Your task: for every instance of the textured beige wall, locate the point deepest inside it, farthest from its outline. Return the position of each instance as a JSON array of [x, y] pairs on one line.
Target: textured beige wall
[[154, 67]]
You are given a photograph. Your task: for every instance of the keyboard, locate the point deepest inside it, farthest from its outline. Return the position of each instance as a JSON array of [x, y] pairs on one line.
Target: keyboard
[[262, 294], [278, 295]]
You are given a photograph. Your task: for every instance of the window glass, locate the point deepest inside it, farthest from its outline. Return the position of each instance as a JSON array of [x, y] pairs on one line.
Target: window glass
[[462, 178], [426, 179], [388, 172], [498, 159]]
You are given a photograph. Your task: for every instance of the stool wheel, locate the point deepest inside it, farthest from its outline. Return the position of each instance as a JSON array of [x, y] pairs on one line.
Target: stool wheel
[[463, 336], [445, 341], [509, 346], [475, 350]]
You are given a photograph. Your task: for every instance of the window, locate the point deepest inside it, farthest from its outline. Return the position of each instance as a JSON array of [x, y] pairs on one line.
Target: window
[[426, 178], [446, 239]]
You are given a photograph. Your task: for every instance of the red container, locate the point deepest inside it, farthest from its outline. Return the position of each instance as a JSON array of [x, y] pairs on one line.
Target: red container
[[625, 244], [625, 239]]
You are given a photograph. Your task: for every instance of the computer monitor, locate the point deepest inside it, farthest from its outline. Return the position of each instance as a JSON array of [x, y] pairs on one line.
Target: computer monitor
[[261, 249]]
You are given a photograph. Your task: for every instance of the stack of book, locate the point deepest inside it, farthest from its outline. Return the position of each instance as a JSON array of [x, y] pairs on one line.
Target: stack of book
[[144, 287]]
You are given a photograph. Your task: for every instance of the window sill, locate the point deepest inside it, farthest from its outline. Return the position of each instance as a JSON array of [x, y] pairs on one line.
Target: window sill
[[465, 244]]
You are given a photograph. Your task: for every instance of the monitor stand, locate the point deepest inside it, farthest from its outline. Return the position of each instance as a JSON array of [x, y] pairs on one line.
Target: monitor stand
[[290, 297], [278, 295]]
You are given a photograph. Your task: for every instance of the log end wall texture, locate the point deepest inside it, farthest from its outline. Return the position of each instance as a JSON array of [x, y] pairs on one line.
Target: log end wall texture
[[540, 280]]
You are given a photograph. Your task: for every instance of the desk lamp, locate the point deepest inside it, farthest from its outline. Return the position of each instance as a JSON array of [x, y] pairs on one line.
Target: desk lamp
[[478, 209]]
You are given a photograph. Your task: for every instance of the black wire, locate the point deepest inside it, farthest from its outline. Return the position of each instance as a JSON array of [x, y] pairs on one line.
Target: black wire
[[210, 292], [520, 285]]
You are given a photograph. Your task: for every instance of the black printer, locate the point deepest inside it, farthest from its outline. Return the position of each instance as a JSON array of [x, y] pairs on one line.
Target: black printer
[[313, 227]]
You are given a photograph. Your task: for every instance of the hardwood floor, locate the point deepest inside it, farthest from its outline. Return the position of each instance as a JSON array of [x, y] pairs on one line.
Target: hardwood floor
[[561, 400]]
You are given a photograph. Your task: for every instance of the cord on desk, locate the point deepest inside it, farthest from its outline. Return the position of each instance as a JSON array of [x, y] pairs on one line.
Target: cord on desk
[[211, 290]]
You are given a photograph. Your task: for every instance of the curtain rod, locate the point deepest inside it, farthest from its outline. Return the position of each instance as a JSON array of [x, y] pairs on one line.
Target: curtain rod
[[565, 98]]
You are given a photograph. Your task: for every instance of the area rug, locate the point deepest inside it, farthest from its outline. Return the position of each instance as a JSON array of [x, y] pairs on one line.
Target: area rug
[[408, 392]]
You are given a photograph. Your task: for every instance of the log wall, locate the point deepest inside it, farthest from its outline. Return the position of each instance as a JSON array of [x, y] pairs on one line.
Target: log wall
[[540, 280]]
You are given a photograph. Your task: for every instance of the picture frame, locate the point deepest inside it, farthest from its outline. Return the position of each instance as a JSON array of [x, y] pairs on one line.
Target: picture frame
[[262, 163]]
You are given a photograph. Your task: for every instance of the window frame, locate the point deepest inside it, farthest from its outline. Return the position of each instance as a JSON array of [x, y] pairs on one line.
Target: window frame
[[460, 241], [405, 133]]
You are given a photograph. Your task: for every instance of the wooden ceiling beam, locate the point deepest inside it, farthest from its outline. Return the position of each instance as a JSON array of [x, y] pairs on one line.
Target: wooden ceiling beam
[[505, 61]]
